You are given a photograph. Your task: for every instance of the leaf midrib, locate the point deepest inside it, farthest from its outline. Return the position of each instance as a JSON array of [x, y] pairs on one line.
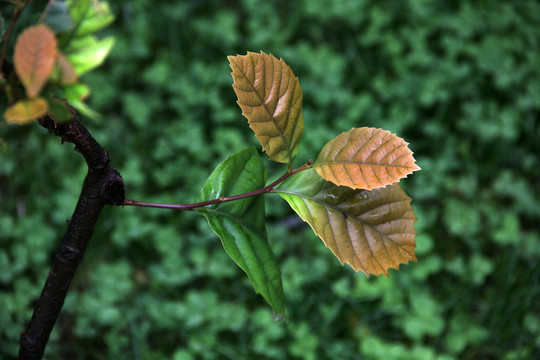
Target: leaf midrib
[[238, 220], [328, 163]]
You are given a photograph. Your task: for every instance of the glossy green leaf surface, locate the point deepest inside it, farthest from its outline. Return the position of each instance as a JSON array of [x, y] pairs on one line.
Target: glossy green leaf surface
[[75, 94], [89, 16], [370, 230], [88, 53], [240, 224]]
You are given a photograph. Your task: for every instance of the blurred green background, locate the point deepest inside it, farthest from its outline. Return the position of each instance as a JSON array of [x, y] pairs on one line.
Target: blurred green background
[[459, 80]]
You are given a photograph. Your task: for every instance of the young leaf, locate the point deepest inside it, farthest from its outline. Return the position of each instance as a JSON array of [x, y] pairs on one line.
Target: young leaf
[[58, 110], [89, 16], [75, 94], [88, 53], [58, 17], [67, 75], [370, 230], [365, 158], [271, 99], [241, 224], [24, 111], [34, 58]]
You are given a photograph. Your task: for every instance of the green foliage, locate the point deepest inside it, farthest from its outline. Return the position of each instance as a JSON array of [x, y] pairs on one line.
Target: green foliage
[[459, 80], [57, 56], [241, 224]]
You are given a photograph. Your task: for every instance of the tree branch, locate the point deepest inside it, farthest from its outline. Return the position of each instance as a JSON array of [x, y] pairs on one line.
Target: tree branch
[[103, 185]]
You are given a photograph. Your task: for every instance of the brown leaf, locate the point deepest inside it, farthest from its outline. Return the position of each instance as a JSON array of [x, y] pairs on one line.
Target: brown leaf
[[24, 111], [34, 58], [372, 231], [67, 73], [271, 99], [365, 158]]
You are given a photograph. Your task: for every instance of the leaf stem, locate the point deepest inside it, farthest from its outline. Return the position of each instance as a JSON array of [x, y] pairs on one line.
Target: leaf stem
[[195, 206]]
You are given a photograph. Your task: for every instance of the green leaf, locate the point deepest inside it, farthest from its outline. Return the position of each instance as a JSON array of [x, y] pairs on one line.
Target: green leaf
[[58, 17], [3, 146], [370, 230], [89, 16], [58, 110], [78, 91], [75, 95], [240, 224], [88, 53]]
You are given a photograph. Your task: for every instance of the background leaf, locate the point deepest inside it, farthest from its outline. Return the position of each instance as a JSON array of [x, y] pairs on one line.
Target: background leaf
[[271, 99], [58, 110], [34, 57], [88, 53], [58, 17], [241, 224], [365, 158], [66, 72], [370, 230], [75, 95], [24, 111], [89, 16]]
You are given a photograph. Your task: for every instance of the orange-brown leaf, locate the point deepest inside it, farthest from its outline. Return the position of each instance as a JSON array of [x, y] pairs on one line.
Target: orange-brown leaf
[[372, 231], [24, 111], [365, 158], [66, 71], [271, 99], [34, 58]]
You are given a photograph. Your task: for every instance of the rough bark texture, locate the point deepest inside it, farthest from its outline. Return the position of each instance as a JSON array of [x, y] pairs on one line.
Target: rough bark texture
[[103, 185]]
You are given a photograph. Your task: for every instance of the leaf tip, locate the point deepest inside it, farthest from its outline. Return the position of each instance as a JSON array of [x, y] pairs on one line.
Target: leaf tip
[[279, 317]]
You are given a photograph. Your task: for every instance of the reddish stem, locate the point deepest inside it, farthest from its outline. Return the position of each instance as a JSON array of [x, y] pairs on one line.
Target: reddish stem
[[194, 206]]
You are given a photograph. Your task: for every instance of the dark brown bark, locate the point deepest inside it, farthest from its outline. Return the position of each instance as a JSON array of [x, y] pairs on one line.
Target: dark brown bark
[[103, 185]]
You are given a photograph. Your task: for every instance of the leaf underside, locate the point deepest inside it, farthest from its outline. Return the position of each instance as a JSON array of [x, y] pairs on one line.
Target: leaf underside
[[372, 231], [271, 99], [365, 158], [240, 224], [34, 57]]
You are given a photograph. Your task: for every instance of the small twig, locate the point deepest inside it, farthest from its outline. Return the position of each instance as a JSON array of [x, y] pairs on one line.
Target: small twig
[[195, 206], [45, 11]]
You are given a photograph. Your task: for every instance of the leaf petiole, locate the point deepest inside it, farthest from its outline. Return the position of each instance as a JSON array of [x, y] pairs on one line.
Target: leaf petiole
[[195, 206]]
